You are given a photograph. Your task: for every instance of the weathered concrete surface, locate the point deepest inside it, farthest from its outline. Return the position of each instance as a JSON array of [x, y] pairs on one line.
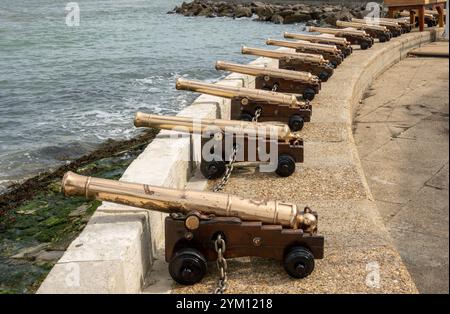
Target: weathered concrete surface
[[332, 182], [402, 134], [436, 49]]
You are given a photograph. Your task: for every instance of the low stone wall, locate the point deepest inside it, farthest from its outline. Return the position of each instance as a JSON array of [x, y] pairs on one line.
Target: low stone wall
[[115, 251]]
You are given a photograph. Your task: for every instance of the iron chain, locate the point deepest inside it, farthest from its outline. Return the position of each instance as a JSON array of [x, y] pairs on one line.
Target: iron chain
[[220, 247], [257, 115], [226, 176]]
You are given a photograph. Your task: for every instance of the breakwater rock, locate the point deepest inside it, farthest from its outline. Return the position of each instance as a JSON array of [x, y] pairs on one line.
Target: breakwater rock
[[311, 14]]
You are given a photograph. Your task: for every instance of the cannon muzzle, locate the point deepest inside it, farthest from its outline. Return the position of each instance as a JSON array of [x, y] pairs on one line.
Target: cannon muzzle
[[240, 92], [258, 70], [169, 200], [276, 54], [199, 126], [302, 44]]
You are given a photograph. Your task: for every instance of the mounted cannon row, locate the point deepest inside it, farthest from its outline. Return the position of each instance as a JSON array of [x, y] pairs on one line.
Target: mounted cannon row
[[264, 128]]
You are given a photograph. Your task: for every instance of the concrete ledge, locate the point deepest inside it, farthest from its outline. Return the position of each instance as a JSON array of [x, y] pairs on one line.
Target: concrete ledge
[[115, 252]]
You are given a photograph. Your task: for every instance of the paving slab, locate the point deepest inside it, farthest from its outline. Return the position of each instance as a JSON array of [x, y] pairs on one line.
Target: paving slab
[[436, 49], [407, 171]]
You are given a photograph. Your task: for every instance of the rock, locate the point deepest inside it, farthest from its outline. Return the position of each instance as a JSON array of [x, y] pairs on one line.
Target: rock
[[79, 211], [331, 18], [328, 9], [206, 12], [30, 252], [285, 13], [264, 12], [316, 14], [297, 18], [312, 23], [49, 256], [241, 11], [277, 19], [258, 4]]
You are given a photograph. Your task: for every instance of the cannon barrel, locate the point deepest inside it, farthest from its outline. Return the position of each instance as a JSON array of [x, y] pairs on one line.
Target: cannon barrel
[[198, 126], [257, 70], [337, 31], [361, 26], [379, 21], [169, 200], [275, 54], [401, 21], [231, 92], [302, 44], [318, 38]]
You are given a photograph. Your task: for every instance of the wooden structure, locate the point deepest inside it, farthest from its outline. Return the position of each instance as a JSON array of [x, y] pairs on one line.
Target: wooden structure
[[417, 7]]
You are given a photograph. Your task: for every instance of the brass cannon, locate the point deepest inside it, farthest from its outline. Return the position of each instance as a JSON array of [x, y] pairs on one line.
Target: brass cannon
[[395, 28], [249, 103], [380, 32], [283, 81], [354, 36], [404, 24], [315, 64], [341, 43], [331, 53], [256, 142], [198, 220]]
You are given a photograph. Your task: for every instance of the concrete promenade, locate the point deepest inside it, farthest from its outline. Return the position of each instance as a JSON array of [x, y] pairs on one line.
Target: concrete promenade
[[401, 131], [120, 249]]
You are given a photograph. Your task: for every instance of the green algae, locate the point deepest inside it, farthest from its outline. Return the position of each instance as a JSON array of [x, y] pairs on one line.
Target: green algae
[[50, 218]]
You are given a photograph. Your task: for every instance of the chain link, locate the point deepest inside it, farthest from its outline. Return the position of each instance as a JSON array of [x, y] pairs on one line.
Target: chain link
[[226, 176], [220, 247], [257, 115]]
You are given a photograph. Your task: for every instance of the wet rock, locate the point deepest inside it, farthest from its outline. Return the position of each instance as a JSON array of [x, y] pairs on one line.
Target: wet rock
[[344, 15], [208, 12], [264, 12], [312, 23], [241, 11], [30, 252], [277, 19], [49, 256], [296, 18]]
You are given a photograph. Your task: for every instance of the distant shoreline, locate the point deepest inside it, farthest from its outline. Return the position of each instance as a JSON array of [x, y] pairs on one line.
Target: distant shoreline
[[312, 13]]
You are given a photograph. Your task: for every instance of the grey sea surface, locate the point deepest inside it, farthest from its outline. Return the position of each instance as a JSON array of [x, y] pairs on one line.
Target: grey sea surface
[[66, 89]]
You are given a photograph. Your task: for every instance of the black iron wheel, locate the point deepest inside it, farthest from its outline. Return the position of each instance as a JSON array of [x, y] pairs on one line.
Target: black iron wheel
[[286, 165], [323, 76], [299, 262], [188, 266], [308, 94], [364, 45], [213, 169], [296, 123]]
